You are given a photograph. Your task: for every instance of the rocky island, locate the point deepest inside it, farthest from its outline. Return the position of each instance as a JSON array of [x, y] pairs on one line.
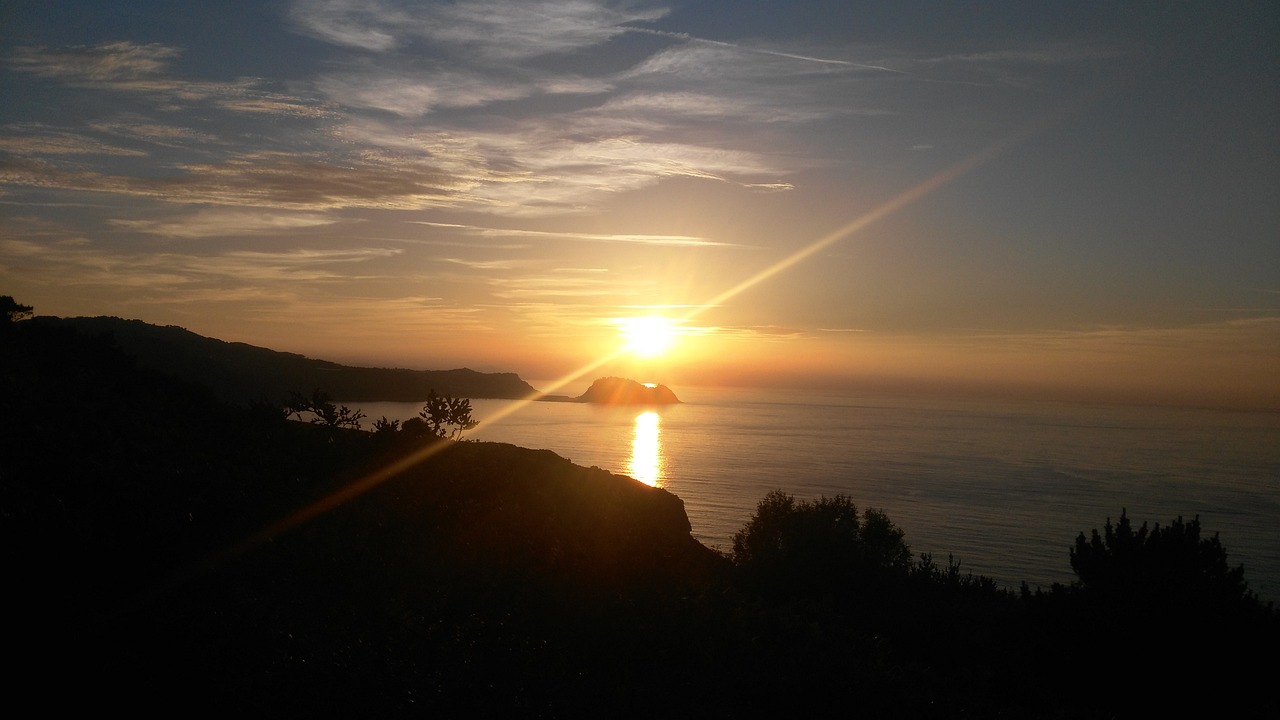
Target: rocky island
[[620, 391]]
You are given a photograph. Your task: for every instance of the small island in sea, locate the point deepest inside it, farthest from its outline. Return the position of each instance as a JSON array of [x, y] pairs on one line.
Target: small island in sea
[[620, 391]]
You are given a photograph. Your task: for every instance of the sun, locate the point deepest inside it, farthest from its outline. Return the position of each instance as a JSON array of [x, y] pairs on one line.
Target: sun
[[648, 336]]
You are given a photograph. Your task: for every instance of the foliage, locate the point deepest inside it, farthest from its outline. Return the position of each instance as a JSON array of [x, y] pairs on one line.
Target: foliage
[[1162, 564], [11, 311], [950, 576], [385, 426], [415, 427], [323, 411], [446, 416], [263, 412], [820, 545]]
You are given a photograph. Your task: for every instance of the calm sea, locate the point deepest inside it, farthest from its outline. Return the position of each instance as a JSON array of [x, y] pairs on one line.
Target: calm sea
[[1003, 486]]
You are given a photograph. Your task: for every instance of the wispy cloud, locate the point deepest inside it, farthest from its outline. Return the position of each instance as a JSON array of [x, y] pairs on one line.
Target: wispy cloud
[[153, 132], [142, 70], [745, 48], [77, 263], [1056, 53], [505, 264], [762, 332], [674, 240], [115, 63], [28, 140], [562, 285], [418, 93], [488, 28], [260, 180], [225, 222]]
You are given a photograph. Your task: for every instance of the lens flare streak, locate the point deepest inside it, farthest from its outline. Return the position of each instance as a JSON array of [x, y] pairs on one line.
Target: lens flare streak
[[652, 457]]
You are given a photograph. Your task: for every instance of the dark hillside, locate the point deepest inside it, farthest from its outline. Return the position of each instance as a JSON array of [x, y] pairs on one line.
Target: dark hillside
[[125, 491], [239, 372]]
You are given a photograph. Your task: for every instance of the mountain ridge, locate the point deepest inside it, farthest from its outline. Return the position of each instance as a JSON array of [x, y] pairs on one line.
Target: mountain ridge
[[240, 372]]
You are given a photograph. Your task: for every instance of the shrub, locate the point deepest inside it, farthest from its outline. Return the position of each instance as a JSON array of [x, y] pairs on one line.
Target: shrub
[[823, 545], [1161, 565], [323, 411], [447, 417]]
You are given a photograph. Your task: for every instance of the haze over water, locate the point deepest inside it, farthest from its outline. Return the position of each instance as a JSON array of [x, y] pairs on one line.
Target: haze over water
[[1005, 487]]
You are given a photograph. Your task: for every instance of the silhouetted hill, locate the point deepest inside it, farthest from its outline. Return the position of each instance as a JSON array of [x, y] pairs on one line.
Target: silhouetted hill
[[240, 372], [621, 391], [137, 516]]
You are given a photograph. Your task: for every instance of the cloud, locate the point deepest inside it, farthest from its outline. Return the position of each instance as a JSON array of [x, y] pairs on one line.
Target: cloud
[[693, 109], [224, 223], [745, 48], [669, 240], [505, 174], [483, 264], [723, 63], [262, 180], [155, 133], [142, 71], [488, 28], [562, 285], [762, 332], [699, 80], [559, 163], [418, 94], [685, 105], [105, 64], [366, 25], [563, 173], [35, 139], [1056, 53], [80, 264]]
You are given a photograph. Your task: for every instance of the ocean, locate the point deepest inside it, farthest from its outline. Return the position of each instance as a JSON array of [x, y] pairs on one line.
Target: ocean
[[1003, 487]]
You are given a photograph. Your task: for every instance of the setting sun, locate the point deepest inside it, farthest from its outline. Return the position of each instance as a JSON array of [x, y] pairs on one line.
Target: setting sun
[[648, 336]]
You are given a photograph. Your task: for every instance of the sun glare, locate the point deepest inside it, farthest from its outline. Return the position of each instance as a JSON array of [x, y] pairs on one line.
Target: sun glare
[[648, 336]]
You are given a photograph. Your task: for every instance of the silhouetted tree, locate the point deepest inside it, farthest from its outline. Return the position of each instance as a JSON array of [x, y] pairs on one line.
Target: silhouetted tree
[[266, 413], [11, 311], [1162, 565], [323, 410], [951, 576], [820, 545], [416, 427], [447, 417]]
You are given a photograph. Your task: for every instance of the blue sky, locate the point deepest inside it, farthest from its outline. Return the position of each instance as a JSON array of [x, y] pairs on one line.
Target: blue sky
[[1069, 198]]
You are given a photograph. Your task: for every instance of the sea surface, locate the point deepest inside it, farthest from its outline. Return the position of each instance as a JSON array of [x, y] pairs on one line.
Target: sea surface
[[1003, 487]]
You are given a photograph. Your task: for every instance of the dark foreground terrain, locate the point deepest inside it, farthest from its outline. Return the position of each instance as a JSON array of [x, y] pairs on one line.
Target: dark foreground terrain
[[169, 552]]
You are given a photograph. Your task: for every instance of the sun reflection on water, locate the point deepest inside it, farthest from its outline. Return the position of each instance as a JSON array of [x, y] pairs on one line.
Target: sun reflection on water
[[645, 463]]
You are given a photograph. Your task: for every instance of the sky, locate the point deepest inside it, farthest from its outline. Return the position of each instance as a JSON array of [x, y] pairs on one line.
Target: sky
[[1073, 200]]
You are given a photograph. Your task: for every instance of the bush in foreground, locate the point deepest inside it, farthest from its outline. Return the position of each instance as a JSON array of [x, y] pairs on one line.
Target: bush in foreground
[[796, 547]]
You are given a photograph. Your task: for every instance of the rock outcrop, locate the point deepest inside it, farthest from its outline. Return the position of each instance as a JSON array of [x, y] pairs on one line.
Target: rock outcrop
[[621, 391]]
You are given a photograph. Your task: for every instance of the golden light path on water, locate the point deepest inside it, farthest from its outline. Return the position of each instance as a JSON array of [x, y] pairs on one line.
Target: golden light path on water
[[645, 463], [898, 202]]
